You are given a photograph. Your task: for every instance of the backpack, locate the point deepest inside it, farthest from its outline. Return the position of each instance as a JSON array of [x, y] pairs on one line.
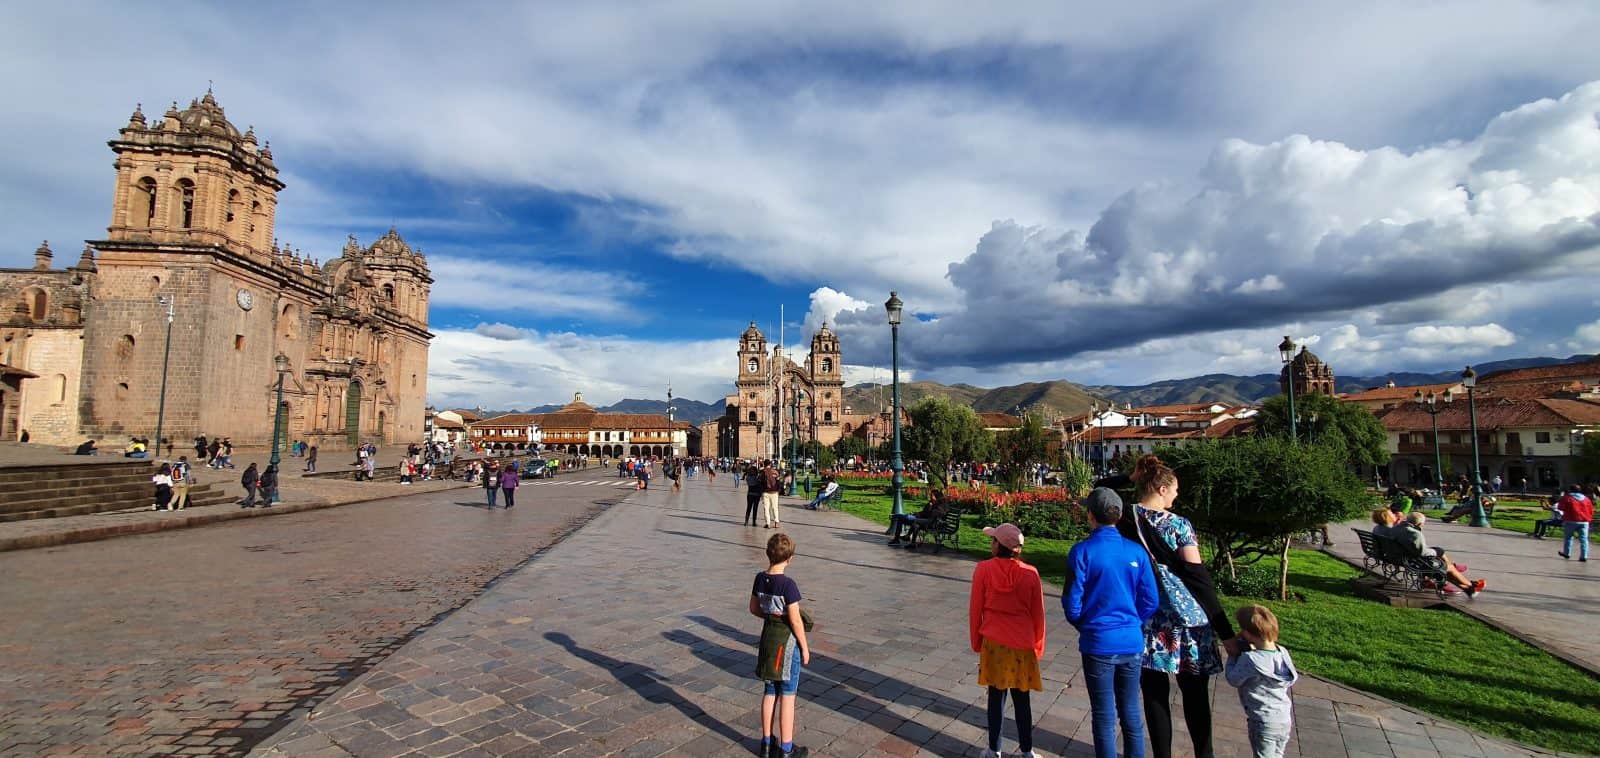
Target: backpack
[[770, 479]]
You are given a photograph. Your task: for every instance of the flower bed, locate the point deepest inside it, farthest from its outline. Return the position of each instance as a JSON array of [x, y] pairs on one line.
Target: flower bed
[[1046, 512]]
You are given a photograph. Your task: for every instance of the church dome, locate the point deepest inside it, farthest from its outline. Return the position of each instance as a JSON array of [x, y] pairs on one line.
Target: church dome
[[204, 116], [392, 244], [752, 333]]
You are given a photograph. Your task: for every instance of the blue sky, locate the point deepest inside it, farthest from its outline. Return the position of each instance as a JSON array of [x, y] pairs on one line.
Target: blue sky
[[609, 193]]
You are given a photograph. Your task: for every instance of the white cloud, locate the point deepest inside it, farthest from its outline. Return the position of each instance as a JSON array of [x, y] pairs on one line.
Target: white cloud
[[1486, 335], [1587, 336], [533, 368], [531, 288], [499, 331]]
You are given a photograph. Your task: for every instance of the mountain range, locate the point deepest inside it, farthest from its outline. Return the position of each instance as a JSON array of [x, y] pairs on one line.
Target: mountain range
[[1066, 398]]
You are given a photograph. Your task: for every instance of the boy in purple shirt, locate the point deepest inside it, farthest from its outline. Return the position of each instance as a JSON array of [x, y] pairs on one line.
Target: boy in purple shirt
[[775, 599]]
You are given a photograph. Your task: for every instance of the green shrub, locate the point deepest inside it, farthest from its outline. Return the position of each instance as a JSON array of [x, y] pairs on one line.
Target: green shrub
[[1257, 581]]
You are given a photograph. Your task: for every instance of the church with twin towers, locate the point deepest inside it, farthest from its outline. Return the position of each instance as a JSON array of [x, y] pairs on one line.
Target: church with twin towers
[[776, 399]]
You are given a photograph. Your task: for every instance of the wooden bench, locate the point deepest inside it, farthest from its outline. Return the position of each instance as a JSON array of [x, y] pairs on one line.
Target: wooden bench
[[1391, 560], [942, 532]]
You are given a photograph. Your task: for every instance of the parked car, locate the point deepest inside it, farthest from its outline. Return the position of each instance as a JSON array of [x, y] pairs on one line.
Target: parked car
[[536, 469]]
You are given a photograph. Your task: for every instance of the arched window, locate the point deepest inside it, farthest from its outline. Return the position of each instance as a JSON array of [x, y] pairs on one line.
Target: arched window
[[827, 365], [38, 303], [827, 415], [125, 347], [255, 210], [144, 203], [752, 415], [752, 366], [58, 389], [233, 208], [388, 293], [185, 196]]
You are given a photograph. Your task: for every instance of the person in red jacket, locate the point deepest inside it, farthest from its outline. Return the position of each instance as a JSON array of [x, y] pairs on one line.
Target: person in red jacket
[[1006, 626], [1577, 510]]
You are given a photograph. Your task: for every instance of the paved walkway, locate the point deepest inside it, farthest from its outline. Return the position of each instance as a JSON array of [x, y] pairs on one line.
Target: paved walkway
[[1533, 592], [631, 637]]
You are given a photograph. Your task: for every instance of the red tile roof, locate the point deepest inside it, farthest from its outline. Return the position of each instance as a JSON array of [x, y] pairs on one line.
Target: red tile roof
[[1396, 393], [1496, 413], [1587, 370], [999, 420], [1157, 410]]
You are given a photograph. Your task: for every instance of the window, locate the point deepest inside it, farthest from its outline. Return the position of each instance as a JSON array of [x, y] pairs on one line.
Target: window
[[233, 207], [122, 390], [125, 347], [1542, 438], [59, 391], [38, 303], [827, 365], [185, 203], [388, 293], [752, 366], [827, 415], [752, 415], [144, 202], [238, 342]]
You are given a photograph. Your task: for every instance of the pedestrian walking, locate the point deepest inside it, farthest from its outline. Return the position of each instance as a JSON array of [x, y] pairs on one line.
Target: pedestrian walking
[[1264, 674], [311, 460], [269, 485], [509, 480], [1005, 621], [249, 480], [1181, 638], [770, 483], [214, 453], [752, 493], [1111, 591], [371, 465], [1577, 510], [491, 483]]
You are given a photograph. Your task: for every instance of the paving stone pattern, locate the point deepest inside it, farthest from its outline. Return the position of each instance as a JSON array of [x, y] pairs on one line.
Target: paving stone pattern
[[632, 638], [208, 640]]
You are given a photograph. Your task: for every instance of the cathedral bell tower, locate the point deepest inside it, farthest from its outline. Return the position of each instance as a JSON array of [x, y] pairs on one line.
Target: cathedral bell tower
[[754, 388], [827, 377]]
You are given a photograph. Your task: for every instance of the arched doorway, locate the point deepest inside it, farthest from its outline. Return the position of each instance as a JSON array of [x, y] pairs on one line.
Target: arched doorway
[[352, 414], [633, 450]]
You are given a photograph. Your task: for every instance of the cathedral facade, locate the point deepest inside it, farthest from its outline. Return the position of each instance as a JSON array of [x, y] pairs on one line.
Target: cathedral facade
[[190, 253], [777, 399]]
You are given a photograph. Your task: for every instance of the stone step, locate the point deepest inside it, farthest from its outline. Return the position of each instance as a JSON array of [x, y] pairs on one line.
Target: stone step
[[54, 494], [200, 495], [25, 474]]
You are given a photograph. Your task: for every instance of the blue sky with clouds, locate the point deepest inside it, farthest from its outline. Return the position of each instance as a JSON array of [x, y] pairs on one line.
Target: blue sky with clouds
[[609, 192]]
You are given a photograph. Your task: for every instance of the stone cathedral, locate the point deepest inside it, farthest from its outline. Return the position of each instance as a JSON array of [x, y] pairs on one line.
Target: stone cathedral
[[770, 388], [192, 216]]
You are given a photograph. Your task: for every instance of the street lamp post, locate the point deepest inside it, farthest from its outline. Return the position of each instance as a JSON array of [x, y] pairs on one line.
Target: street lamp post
[[1430, 404], [1469, 379], [166, 354], [280, 362], [897, 465], [1286, 352], [794, 437]]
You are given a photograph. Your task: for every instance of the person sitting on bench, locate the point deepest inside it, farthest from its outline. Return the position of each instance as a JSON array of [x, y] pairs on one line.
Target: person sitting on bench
[[1409, 534], [829, 487], [927, 519]]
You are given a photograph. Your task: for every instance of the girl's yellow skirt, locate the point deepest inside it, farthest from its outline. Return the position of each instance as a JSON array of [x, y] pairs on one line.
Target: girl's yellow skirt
[[1008, 668]]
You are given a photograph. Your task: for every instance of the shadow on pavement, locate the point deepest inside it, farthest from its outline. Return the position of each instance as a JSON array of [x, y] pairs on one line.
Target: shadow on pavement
[[648, 684], [826, 672], [825, 559]]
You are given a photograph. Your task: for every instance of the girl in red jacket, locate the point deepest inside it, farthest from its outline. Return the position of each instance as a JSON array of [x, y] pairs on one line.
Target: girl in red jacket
[[1006, 625]]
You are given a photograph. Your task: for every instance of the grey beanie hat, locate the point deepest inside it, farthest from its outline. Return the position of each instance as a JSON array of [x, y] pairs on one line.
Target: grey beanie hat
[[1105, 504]]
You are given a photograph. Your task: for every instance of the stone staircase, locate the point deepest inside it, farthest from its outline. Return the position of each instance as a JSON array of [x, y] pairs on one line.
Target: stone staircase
[[49, 491]]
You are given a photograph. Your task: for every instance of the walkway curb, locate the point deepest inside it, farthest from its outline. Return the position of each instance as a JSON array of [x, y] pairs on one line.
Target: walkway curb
[[95, 534]]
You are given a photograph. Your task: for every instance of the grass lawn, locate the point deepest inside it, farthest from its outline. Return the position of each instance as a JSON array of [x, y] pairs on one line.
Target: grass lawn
[[1519, 518], [1437, 661]]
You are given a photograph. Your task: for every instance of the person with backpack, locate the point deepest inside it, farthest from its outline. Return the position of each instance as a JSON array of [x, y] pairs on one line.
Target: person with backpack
[[752, 492], [249, 480], [770, 482], [491, 482], [269, 485], [163, 483], [182, 477]]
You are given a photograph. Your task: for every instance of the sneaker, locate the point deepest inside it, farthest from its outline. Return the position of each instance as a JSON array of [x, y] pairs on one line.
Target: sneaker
[[987, 753], [1564, 555]]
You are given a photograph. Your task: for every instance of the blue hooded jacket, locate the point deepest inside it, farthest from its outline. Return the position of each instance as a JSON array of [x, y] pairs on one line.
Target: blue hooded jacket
[[1111, 591]]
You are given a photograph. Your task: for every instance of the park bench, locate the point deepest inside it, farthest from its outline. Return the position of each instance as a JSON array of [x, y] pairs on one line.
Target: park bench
[[1391, 560], [1432, 502], [943, 531]]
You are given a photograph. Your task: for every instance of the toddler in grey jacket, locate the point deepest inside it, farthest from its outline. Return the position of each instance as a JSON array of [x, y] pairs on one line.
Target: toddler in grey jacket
[[1263, 672]]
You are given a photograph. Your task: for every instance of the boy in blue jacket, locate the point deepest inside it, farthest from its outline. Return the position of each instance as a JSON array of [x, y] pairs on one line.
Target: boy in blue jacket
[[1111, 591]]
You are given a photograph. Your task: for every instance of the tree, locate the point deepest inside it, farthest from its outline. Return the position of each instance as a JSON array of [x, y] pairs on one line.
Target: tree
[[1076, 475], [942, 433], [1587, 463], [847, 448], [1020, 448], [1347, 425], [1250, 495]]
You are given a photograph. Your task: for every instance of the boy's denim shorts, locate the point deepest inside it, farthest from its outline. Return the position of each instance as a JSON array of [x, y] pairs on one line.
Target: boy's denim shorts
[[790, 686]]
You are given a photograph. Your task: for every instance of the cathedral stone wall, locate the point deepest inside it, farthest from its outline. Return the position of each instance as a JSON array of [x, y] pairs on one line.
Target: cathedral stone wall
[[194, 206]]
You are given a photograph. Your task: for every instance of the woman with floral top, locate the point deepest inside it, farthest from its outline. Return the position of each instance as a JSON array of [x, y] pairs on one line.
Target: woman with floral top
[[1171, 647]]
